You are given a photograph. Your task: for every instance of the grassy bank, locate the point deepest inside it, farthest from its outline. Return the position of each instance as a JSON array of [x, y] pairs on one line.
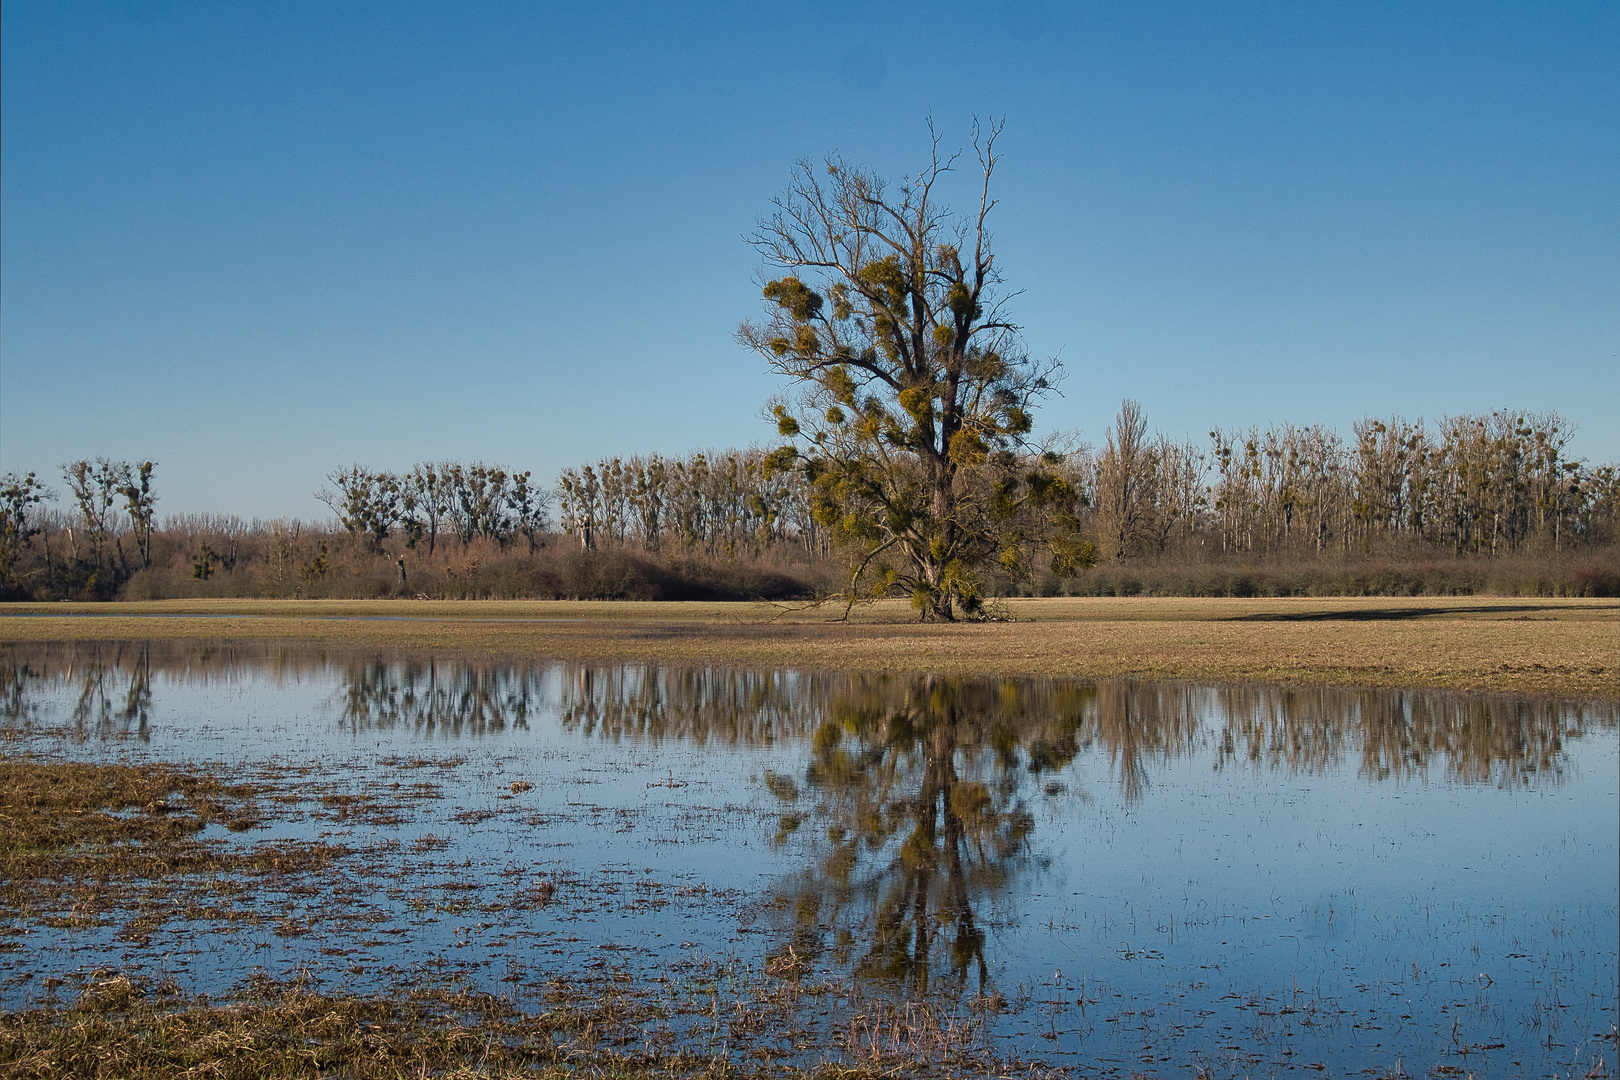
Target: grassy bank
[[1540, 646]]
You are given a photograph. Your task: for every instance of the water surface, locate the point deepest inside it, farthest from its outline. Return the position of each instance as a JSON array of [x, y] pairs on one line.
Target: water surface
[[1113, 876]]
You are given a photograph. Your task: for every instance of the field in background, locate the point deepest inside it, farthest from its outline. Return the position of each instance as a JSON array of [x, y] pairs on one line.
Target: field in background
[[1567, 648]]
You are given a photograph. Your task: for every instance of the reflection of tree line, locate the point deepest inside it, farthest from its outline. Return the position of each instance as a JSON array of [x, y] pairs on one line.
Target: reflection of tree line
[[1037, 723], [442, 697], [113, 684], [916, 785], [737, 707], [1397, 734], [112, 690], [1393, 733]]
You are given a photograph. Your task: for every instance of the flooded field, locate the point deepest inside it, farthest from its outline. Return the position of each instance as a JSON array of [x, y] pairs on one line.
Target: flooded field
[[772, 866]]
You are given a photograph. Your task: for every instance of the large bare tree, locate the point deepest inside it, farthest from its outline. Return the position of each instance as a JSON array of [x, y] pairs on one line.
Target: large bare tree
[[910, 388]]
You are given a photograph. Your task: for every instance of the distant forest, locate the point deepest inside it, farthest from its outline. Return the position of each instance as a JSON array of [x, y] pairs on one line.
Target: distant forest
[[1474, 504]]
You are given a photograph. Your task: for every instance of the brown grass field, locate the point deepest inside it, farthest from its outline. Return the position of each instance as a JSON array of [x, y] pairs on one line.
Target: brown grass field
[[1561, 647]]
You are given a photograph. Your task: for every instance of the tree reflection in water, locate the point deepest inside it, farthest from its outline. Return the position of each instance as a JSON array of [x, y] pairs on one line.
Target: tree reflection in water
[[912, 805], [112, 688], [923, 820], [915, 789], [733, 706], [440, 697], [918, 786]]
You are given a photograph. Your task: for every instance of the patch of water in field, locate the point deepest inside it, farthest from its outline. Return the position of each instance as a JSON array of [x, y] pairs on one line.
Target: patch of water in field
[[1112, 876]]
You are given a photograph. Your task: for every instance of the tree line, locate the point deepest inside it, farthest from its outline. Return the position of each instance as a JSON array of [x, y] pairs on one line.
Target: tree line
[[113, 500], [1470, 486], [434, 498], [718, 503], [1483, 485], [721, 503]]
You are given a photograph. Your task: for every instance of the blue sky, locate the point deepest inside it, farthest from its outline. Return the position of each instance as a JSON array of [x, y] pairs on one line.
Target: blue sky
[[257, 242]]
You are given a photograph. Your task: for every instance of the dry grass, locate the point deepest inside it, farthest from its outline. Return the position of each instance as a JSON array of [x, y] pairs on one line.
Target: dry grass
[[118, 1029], [1541, 646], [46, 807]]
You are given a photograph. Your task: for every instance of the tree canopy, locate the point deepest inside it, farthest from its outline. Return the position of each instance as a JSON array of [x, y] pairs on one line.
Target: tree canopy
[[910, 395]]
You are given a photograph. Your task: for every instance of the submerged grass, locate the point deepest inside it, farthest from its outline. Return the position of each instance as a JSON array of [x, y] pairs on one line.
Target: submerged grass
[[116, 1028], [48, 807], [82, 841], [1568, 648], [87, 845]]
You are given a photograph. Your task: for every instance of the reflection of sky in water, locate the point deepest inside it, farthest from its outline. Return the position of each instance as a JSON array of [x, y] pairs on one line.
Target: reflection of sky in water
[[1355, 878]]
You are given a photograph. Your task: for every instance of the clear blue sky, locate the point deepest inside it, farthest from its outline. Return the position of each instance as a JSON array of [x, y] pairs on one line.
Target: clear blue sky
[[257, 242]]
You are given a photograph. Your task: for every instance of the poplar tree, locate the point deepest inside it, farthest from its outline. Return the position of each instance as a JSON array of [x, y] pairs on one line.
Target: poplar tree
[[140, 502], [20, 497]]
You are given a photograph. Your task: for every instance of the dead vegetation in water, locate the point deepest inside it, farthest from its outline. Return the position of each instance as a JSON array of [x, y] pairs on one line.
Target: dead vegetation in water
[[52, 806], [117, 1027], [81, 841], [130, 848]]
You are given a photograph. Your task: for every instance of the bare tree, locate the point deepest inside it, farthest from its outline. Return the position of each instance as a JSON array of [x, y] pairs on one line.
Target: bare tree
[[140, 502], [19, 524], [367, 503], [579, 497], [427, 499], [95, 486], [528, 504], [1125, 473]]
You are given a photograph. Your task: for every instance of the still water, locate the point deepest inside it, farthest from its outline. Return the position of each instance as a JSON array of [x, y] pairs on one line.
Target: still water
[[1110, 876]]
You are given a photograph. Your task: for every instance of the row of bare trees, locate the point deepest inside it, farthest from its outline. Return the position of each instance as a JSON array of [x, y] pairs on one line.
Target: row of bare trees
[[722, 504], [1492, 484], [433, 498], [1481, 484], [111, 500], [1472, 485]]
